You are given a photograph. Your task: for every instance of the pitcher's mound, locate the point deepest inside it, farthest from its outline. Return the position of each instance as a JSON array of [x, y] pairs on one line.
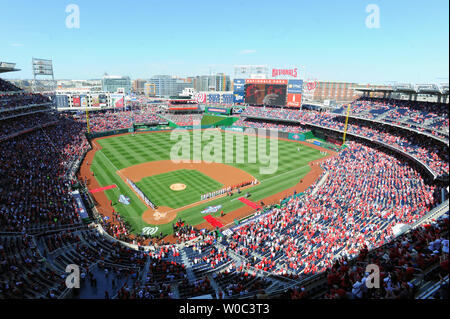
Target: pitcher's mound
[[178, 187]]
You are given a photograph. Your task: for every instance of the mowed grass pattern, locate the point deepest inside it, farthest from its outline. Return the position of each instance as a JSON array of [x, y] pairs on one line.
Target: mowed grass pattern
[[124, 151], [157, 187]]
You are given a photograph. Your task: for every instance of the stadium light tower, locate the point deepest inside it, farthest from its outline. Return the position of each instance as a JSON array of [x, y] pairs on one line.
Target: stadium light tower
[[42, 67]]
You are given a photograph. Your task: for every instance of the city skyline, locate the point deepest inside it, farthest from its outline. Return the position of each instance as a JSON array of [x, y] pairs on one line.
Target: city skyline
[[327, 41]]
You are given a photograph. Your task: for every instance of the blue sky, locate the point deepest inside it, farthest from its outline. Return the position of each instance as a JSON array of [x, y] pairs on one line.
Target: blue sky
[[327, 40]]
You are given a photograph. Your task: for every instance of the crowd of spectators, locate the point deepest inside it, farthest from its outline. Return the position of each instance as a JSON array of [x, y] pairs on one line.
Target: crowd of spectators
[[204, 252], [113, 120], [412, 113], [33, 191], [8, 100], [23, 272], [200, 287], [433, 155], [240, 283], [308, 233], [6, 86], [25, 122], [11, 113], [185, 232], [411, 256], [146, 291], [289, 128], [164, 270]]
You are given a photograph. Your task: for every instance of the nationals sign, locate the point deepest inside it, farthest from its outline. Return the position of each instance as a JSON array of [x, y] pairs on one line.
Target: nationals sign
[[281, 72], [310, 85], [200, 97]]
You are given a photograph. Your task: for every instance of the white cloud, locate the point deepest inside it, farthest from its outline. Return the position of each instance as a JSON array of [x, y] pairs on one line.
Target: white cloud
[[248, 51], [16, 44]]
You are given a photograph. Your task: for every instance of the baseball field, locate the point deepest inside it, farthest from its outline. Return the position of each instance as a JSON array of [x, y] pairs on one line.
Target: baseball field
[[176, 188]]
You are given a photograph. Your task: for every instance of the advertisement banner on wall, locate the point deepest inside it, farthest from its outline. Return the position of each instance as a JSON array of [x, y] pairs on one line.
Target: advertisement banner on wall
[[239, 97], [297, 137], [294, 100], [227, 98], [295, 86], [103, 100], [238, 85], [62, 101], [238, 90], [214, 98], [218, 110], [234, 129], [95, 100], [83, 99], [76, 100], [117, 100]]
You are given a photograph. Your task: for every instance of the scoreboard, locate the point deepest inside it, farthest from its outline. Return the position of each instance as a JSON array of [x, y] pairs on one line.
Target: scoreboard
[[273, 92], [265, 92]]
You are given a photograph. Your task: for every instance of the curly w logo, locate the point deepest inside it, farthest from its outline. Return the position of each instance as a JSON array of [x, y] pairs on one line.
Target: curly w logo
[[149, 231]]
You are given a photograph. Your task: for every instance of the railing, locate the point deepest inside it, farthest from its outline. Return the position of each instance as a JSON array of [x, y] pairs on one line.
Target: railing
[[433, 214], [24, 114], [446, 142], [75, 164], [16, 108], [428, 293], [28, 130], [12, 92]]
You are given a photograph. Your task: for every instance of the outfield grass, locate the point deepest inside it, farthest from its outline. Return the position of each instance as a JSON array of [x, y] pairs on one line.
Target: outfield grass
[[123, 151], [211, 119], [157, 187]]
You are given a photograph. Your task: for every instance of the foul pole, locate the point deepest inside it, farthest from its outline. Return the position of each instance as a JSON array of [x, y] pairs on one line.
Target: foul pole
[[87, 121], [346, 123]]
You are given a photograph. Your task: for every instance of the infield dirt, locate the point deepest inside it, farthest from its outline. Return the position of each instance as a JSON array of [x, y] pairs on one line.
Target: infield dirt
[[224, 174]]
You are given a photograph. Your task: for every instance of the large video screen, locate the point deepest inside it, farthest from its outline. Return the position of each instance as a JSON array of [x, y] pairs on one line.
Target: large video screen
[[265, 94]]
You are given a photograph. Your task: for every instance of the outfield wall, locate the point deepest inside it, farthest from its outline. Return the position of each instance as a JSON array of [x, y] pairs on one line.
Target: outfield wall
[[106, 133], [90, 136]]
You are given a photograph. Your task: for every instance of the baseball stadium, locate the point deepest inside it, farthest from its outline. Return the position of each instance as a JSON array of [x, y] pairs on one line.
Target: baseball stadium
[[253, 188]]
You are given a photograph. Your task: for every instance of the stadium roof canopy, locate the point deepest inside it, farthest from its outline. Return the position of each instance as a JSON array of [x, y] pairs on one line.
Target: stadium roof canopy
[[428, 89], [378, 89], [432, 89], [7, 67]]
